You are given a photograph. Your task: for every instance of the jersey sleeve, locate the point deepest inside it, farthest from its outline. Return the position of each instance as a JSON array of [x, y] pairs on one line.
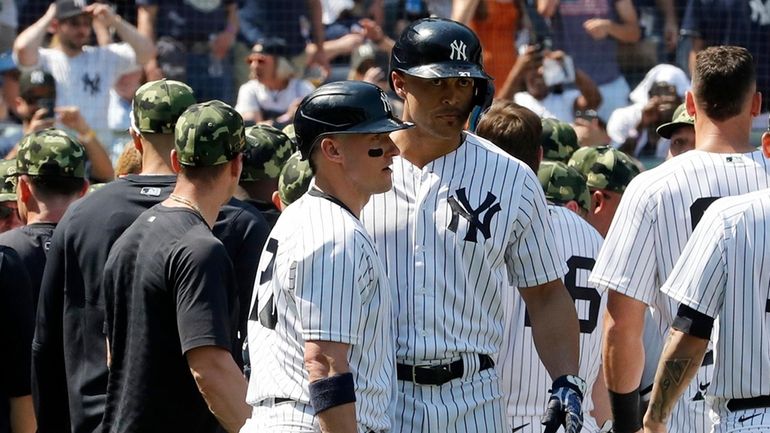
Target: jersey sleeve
[[328, 291], [626, 261], [699, 277], [202, 278], [533, 256]]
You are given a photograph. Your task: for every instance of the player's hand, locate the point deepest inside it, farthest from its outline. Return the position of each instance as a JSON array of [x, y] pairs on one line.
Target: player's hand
[[598, 28], [70, 117], [41, 120], [102, 12], [565, 407]]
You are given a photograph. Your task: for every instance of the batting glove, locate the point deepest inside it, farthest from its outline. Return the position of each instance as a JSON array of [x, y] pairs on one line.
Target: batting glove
[[565, 407]]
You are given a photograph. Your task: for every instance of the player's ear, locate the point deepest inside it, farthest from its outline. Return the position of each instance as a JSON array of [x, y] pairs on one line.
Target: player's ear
[[23, 189], [689, 103], [84, 190], [276, 198], [766, 143], [137, 139], [756, 104], [175, 165], [597, 201], [330, 149], [572, 205], [398, 84]]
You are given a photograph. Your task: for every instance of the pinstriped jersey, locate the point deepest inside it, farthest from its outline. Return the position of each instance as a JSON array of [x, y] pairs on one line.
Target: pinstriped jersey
[[319, 278], [454, 235], [655, 218], [724, 273], [524, 380]]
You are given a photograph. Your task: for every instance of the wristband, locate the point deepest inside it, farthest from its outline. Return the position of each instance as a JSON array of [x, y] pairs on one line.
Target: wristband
[[331, 392], [626, 411]]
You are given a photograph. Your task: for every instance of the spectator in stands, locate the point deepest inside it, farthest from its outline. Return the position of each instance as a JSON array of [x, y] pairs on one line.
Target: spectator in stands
[[273, 93], [36, 107], [194, 41], [84, 74], [632, 128], [281, 19], [741, 23], [527, 85], [590, 130], [589, 31], [8, 22]]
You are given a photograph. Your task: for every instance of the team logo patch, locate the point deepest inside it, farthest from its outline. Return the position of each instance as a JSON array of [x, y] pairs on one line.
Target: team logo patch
[[462, 208], [458, 50]]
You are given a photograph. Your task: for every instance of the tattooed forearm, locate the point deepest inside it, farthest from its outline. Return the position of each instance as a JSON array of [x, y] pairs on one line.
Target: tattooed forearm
[[679, 362]]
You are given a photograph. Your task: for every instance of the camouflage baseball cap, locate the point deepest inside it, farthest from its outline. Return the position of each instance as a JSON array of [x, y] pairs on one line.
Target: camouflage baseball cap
[[612, 171], [51, 152], [158, 104], [562, 184], [583, 159], [210, 133], [289, 131], [8, 173], [558, 139], [294, 179], [679, 119], [267, 150]]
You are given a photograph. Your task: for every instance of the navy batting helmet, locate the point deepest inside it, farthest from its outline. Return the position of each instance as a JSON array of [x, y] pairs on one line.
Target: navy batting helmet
[[343, 107], [440, 48]]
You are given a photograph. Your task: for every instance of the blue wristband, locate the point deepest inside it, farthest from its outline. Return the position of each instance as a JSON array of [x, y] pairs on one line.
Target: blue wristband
[[332, 391]]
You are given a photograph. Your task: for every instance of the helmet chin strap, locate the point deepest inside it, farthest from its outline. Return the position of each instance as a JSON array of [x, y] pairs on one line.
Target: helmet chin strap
[[483, 102]]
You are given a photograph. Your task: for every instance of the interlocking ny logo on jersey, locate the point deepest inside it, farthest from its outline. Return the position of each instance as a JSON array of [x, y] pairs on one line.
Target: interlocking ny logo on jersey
[[91, 85], [458, 50], [462, 208]]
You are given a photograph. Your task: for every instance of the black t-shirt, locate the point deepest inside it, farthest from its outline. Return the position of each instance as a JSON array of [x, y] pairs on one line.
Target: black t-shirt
[[31, 242], [70, 294], [169, 287], [16, 327]]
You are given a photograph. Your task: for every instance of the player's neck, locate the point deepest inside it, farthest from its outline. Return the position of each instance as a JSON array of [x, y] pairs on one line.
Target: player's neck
[[204, 200], [340, 188], [731, 136], [421, 149]]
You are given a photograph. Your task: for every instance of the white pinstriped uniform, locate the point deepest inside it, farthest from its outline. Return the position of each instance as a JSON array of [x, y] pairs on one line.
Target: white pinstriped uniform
[[454, 236], [649, 231], [321, 278], [724, 273], [524, 380]]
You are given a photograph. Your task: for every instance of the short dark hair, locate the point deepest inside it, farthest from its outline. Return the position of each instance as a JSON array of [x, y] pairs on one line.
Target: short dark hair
[[514, 129], [204, 175], [47, 187], [722, 80]]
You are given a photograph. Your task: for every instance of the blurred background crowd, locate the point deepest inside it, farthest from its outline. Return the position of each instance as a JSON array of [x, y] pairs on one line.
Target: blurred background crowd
[[614, 69]]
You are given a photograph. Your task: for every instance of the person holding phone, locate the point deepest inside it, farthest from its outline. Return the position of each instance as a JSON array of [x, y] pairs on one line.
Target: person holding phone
[[36, 106]]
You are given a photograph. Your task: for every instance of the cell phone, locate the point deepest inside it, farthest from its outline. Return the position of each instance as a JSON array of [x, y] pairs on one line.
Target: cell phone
[[49, 104], [558, 72]]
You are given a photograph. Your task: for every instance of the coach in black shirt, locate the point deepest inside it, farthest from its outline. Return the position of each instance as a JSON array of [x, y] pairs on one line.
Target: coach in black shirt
[[170, 294]]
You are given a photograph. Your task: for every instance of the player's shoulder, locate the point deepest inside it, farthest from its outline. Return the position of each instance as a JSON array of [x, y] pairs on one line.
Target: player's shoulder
[[568, 221], [483, 149], [486, 149], [753, 205], [316, 213]]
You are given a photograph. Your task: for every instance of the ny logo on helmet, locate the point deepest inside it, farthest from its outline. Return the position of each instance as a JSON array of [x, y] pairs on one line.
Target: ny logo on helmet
[[385, 102], [458, 50]]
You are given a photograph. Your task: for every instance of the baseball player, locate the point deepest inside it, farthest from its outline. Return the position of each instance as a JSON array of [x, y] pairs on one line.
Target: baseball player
[[320, 329], [293, 181], [524, 379], [51, 171], [171, 294], [559, 140], [9, 214], [267, 150], [656, 216], [680, 132], [463, 223], [721, 278]]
